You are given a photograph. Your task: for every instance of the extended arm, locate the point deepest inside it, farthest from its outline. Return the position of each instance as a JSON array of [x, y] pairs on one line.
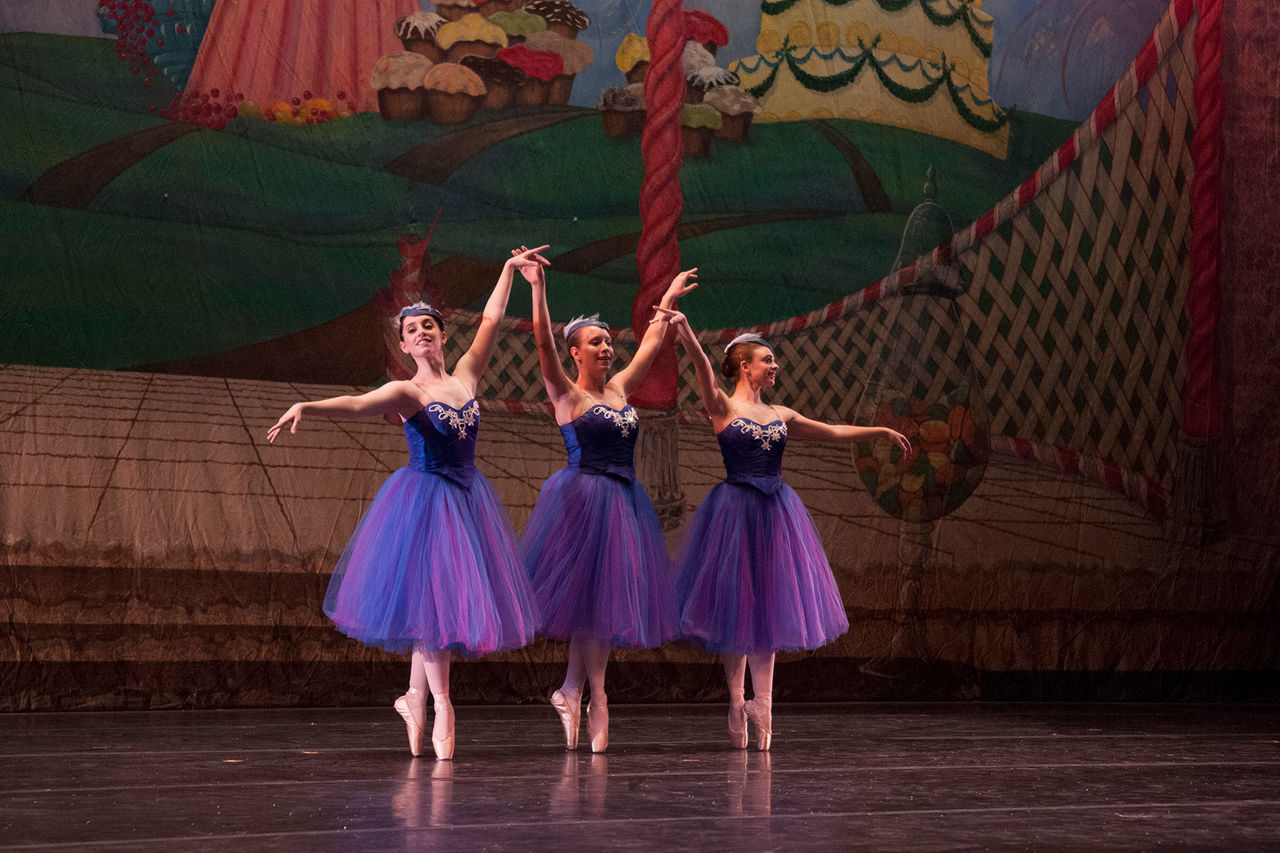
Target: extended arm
[[472, 365], [798, 426], [553, 376], [633, 374], [713, 397], [392, 398]]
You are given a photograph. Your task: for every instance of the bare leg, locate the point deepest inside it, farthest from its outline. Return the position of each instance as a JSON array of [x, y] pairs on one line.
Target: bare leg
[[576, 674], [735, 674], [595, 657], [568, 699], [760, 708], [436, 666], [418, 673]]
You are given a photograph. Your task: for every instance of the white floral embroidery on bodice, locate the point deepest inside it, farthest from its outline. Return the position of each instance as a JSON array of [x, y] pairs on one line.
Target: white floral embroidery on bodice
[[765, 434], [625, 420], [459, 420]]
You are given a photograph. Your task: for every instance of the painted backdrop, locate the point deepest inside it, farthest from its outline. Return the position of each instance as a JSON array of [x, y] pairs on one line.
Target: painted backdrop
[[992, 225]]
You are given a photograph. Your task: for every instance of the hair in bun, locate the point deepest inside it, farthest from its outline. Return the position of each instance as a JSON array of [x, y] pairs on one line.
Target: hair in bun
[[738, 350]]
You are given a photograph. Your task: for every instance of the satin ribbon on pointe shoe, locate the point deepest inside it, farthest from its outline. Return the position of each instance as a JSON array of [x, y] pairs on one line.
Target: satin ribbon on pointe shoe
[[569, 707], [411, 721], [738, 716], [598, 725], [761, 720], [443, 745]]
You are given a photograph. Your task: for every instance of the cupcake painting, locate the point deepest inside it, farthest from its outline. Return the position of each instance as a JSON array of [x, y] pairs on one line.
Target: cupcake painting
[[398, 78], [705, 30], [622, 111], [561, 16], [698, 124], [471, 35], [574, 55], [417, 32], [538, 66], [632, 57], [501, 81], [736, 108], [706, 79], [453, 10], [701, 74], [517, 24], [454, 93]]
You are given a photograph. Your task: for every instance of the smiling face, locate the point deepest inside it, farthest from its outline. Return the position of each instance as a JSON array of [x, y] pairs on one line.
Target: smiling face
[[760, 369], [420, 336], [591, 349], [750, 362]]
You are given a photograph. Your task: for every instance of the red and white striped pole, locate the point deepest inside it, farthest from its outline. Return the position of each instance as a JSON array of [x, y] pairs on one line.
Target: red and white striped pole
[[661, 201]]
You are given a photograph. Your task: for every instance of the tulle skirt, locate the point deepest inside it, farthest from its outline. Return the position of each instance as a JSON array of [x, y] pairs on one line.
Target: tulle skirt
[[434, 564], [595, 555], [753, 576]]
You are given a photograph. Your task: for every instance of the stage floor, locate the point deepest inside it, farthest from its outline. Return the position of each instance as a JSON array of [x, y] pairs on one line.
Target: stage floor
[[866, 776]]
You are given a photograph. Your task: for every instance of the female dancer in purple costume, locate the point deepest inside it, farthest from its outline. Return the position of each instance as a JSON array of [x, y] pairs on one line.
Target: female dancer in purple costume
[[752, 575], [432, 565], [593, 546]]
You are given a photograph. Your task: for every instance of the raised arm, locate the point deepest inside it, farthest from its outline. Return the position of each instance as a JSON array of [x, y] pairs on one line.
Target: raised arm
[[713, 397], [393, 398], [798, 426], [554, 378], [630, 377], [473, 363]]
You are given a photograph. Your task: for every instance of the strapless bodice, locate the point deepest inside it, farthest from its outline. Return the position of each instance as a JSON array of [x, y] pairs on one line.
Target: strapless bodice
[[442, 440], [753, 453], [602, 440]]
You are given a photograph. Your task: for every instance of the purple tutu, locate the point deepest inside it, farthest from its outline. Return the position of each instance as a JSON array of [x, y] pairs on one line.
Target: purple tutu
[[753, 574], [593, 546], [754, 577], [433, 563]]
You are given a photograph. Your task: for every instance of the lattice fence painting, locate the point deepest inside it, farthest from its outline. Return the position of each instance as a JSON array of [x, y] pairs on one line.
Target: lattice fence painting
[[1070, 311]]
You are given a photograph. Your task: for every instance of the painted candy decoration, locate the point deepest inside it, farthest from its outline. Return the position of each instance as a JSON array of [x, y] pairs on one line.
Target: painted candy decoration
[[157, 36], [950, 447], [924, 384]]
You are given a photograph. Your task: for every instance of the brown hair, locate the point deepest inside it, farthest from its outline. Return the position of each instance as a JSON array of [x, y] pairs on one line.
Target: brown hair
[[735, 355], [400, 324], [572, 341]]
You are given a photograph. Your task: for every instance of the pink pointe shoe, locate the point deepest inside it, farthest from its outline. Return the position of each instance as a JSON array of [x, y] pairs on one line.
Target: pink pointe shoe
[[598, 725], [569, 707], [738, 725], [760, 715], [443, 743], [412, 722]]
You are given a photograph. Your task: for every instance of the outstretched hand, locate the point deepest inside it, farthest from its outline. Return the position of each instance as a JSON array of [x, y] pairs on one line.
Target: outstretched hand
[[675, 320], [899, 439], [670, 315], [530, 262], [292, 417], [680, 285]]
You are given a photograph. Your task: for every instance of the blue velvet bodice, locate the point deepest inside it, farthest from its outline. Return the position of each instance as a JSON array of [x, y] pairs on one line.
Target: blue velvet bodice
[[602, 440], [753, 453], [442, 440]]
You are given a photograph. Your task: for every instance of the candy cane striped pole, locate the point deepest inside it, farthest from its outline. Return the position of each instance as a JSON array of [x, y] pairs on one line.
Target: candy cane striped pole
[[661, 202]]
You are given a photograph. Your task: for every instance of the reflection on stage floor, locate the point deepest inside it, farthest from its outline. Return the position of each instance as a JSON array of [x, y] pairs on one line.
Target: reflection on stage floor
[[866, 776]]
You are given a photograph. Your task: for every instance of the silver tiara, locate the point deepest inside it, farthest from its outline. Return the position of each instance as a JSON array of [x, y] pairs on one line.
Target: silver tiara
[[748, 338], [578, 322], [421, 309]]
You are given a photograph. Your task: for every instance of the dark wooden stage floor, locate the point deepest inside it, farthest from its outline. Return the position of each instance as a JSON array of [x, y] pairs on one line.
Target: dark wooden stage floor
[[868, 776]]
